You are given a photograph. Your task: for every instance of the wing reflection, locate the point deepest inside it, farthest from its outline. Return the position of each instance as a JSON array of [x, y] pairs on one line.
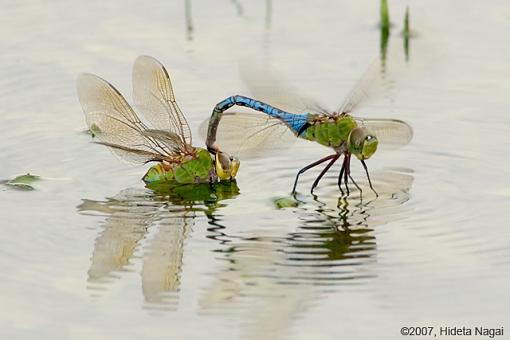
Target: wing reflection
[[169, 216], [162, 265], [268, 274]]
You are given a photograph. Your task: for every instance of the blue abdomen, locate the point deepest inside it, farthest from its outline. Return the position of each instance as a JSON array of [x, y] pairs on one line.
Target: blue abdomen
[[296, 122]]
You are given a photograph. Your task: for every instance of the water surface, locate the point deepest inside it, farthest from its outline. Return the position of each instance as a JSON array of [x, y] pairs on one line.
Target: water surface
[[92, 254]]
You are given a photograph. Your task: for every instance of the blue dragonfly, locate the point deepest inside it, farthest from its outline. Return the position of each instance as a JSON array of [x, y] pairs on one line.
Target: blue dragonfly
[[344, 133]]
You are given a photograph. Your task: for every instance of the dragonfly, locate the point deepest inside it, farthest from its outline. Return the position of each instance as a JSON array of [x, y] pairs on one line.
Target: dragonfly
[[164, 138], [339, 130]]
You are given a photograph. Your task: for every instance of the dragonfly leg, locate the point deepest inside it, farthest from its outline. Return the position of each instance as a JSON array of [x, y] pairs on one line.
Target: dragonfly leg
[[347, 161], [323, 172], [356, 184], [368, 176], [348, 172], [322, 160], [341, 175], [340, 178]]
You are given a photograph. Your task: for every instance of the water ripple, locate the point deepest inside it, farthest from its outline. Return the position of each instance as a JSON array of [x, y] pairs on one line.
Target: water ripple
[[332, 247]]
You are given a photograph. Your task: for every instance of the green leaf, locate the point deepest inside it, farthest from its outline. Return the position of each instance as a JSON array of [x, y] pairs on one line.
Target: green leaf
[[23, 182], [286, 202]]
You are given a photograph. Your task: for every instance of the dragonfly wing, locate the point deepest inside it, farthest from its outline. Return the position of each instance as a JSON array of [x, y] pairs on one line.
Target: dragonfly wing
[[171, 140], [250, 135], [154, 97], [363, 88], [391, 133], [113, 121], [267, 85], [134, 155]]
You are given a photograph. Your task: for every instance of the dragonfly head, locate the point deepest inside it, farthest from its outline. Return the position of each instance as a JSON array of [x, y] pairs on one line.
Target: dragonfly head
[[362, 143], [226, 166]]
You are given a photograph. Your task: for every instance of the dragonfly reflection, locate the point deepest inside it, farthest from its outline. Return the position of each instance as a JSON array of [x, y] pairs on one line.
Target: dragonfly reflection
[[133, 213], [286, 274]]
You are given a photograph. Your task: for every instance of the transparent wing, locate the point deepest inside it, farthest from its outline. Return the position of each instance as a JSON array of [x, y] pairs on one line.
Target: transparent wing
[[134, 155], [267, 85], [391, 133], [114, 122], [154, 97], [170, 140], [249, 135], [363, 88]]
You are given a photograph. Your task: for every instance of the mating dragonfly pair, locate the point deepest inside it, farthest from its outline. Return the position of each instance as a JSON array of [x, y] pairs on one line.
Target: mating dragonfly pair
[[165, 137]]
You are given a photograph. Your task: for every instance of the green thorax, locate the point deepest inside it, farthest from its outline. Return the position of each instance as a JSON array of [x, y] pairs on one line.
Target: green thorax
[[196, 167], [330, 131]]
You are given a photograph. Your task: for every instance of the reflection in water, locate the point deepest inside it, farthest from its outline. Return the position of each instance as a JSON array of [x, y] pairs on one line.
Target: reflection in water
[[267, 20], [385, 37], [269, 12], [239, 7], [270, 276], [267, 24], [406, 32], [406, 47], [385, 30], [188, 19], [130, 215], [270, 279]]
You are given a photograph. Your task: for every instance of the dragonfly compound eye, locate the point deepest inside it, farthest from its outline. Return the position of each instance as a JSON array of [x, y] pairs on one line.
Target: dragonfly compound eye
[[369, 147], [355, 141], [362, 143], [226, 166]]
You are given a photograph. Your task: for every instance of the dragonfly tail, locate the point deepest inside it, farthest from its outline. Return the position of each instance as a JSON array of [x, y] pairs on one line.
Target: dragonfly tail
[[296, 122]]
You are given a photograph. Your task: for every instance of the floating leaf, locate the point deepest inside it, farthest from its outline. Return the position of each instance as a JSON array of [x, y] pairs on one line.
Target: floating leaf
[[23, 182], [286, 202]]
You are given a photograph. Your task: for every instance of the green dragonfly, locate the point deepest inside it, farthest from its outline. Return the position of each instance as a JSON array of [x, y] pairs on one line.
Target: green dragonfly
[[164, 137], [339, 130]]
